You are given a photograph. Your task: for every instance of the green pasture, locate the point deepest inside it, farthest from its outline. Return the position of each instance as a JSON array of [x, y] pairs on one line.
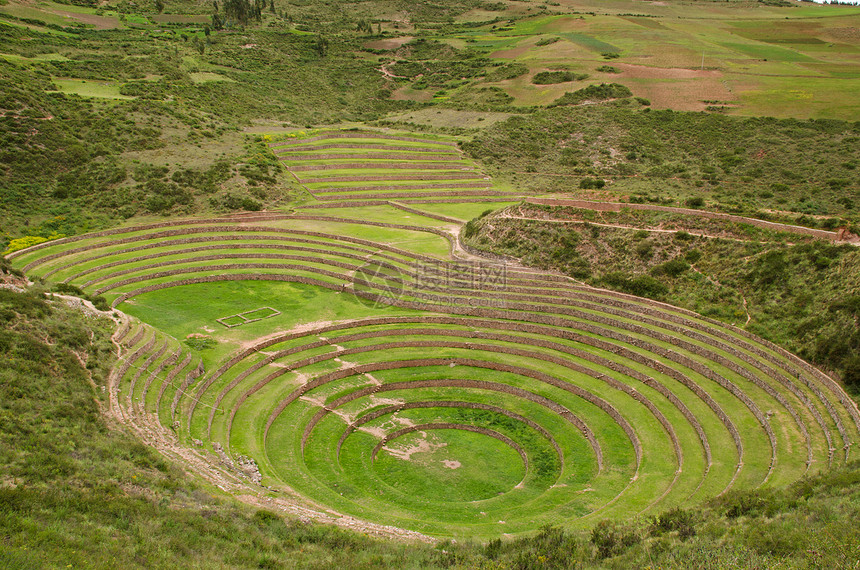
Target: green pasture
[[441, 478], [90, 88]]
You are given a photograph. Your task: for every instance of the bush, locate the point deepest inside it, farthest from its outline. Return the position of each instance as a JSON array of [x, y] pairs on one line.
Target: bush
[[589, 183], [645, 249], [641, 286], [550, 77], [672, 268], [674, 520], [612, 539], [696, 202], [600, 92]]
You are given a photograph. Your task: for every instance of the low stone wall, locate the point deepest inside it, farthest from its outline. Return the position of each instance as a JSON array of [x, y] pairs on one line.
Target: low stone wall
[[379, 165], [132, 358], [394, 188], [159, 255], [169, 361], [446, 425], [168, 381], [474, 175], [221, 267], [618, 206], [311, 147], [418, 212], [395, 195], [513, 326], [143, 368], [356, 135], [184, 241], [189, 378], [382, 155], [114, 231], [424, 405]]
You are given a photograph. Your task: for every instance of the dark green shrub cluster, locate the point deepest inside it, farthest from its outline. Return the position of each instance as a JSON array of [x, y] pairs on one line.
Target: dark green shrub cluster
[[550, 77], [640, 285], [589, 183], [600, 92], [506, 71]]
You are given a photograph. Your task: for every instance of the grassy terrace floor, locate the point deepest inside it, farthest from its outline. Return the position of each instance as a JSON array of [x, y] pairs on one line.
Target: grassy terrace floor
[[389, 376], [375, 165]]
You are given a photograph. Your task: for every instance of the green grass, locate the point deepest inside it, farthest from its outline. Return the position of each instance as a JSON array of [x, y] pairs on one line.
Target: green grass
[[207, 77], [90, 88], [96, 161]]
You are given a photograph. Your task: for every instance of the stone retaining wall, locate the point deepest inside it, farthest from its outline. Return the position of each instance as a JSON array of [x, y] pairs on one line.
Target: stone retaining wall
[[184, 241], [446, 425], [390, 187], [378, 165], [168, 381], [618, 206], [356, 135], [311, 147], [219, 247], [424, 405], [169, 361], [474, 175], [446, 157], [390, 195]]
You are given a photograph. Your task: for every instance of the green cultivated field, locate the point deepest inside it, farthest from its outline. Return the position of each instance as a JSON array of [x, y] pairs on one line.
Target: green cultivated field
[[395, 388], [458, 274]]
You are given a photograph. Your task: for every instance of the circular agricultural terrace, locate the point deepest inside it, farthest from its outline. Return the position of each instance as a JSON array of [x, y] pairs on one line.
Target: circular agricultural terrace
[[494, 400]]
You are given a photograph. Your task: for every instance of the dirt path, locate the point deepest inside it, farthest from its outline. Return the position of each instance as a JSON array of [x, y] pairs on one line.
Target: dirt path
[[623, 227]]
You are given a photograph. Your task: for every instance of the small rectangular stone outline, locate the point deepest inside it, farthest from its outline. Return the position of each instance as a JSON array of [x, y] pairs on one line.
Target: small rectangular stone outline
[[246, 320]]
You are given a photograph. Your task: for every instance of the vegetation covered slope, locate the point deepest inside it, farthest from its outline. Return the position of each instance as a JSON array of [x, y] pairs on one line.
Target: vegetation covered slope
[[764, 167], [77, 491], [148, 111], [798, 292]]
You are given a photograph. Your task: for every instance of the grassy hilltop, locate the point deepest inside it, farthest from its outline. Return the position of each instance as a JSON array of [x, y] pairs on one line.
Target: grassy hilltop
[[466, 284]]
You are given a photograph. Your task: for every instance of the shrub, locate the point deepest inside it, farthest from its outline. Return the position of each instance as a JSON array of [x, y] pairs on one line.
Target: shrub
[[612, 539], [696, 202], [600, 92], [672, 268], [589, 183], [674, 520], [645, 249], [693, 255], [642, 285], [550, 77]]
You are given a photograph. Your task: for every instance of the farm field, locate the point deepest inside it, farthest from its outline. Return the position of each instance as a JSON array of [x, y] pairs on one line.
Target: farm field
[[451, 285], [299, 343]]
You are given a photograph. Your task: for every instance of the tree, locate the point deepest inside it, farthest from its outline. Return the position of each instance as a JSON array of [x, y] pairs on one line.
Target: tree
[[321, 46], [159, 5], [238, 10]]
